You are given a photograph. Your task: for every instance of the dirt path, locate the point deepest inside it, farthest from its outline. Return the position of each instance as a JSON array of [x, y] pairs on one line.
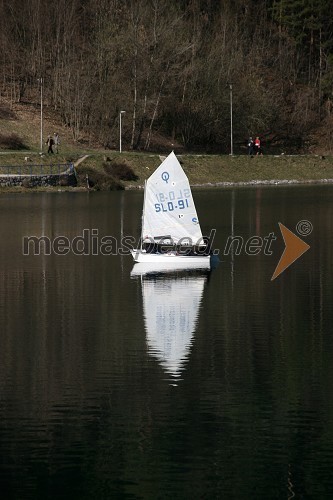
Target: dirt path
[[80, 160]]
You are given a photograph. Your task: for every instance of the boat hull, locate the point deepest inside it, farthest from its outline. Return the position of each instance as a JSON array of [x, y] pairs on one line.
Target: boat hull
[[172, 259]]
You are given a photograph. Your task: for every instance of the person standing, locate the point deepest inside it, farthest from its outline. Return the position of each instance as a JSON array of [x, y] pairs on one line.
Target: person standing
[[56, 141], [250, 146], [49, 143], [257, 146]]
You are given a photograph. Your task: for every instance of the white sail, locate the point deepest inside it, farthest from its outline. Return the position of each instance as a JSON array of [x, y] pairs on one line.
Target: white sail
[[169, 210], [171, 307]]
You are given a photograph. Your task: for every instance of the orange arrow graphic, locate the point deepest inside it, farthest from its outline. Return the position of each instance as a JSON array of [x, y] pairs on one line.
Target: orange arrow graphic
[[295, 247]]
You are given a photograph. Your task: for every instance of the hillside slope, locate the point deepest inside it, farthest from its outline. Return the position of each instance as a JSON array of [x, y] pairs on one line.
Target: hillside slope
[[24, 120], [109, 169]]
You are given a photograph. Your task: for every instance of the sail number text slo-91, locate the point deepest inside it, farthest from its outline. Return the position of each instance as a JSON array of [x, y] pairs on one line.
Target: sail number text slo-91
[[171, 200]]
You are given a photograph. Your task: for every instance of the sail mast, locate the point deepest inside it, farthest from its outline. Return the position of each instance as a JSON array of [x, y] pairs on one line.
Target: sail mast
[[143, 213]]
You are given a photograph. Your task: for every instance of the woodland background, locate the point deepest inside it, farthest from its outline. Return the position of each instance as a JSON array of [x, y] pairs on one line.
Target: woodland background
[[169, 65]]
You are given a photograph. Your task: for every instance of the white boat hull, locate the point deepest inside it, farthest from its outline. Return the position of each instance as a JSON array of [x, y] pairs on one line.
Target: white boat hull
[[172, 259], [147, 268]]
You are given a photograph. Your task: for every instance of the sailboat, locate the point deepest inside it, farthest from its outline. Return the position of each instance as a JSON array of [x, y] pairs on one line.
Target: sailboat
[[171, 236]]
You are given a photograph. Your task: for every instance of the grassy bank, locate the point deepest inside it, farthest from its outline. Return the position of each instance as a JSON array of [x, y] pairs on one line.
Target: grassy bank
[[215, 169], [106, 170]]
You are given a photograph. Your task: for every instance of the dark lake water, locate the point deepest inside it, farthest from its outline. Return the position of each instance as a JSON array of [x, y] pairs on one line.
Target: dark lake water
[[178, 385]]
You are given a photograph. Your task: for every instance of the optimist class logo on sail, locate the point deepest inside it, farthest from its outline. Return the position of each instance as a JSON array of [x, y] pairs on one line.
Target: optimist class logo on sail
[[165, 177]]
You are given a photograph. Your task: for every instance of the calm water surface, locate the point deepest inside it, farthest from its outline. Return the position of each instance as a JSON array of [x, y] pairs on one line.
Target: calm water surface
[[178, 385]]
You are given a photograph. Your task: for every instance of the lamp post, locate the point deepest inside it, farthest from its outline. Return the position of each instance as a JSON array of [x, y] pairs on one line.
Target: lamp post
[[41, 113], [231, 133], [120, 115]]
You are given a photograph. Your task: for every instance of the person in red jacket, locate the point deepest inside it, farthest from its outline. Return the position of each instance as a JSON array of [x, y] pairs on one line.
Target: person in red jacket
[[257, 146]]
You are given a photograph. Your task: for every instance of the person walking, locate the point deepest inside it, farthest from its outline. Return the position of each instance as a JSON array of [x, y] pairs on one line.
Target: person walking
[[257, 146], [250, 145], [50, 143]]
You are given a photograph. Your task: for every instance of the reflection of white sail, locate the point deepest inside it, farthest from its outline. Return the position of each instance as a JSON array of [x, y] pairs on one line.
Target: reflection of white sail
[[171, 306]]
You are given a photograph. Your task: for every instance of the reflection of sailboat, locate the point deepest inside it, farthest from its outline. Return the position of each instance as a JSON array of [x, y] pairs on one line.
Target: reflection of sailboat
[[171, 306], [170, 226]]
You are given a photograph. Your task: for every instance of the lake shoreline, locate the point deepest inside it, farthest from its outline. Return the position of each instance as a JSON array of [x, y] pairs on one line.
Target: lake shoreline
[[254, 183], [226, 184], [203, 171]]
